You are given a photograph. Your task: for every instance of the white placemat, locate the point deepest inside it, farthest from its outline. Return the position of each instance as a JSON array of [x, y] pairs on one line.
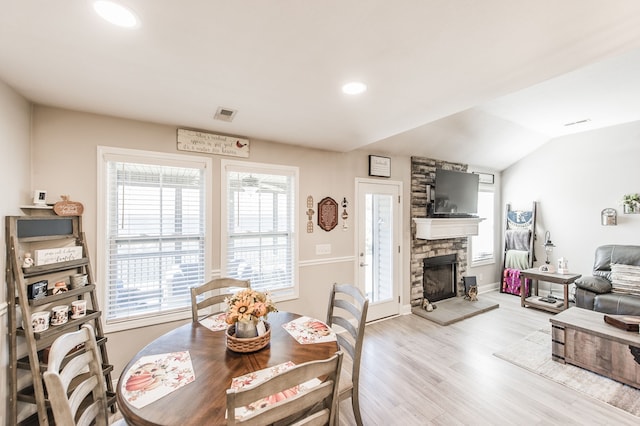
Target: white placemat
[[308, 330], [155, 376]]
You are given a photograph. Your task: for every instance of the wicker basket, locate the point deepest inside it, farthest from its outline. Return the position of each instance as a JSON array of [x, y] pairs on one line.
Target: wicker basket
[[251, 344]]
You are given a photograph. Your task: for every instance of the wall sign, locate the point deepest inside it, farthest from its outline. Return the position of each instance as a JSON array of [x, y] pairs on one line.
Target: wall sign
[[327, 213], [210, 143], [379, 166]]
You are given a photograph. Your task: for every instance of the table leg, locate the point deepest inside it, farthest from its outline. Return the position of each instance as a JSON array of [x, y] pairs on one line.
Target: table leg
[[523, 291], [566, 296]]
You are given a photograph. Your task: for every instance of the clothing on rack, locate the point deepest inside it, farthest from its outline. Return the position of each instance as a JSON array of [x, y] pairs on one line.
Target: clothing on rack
[[517, 239], [517, 259], [511, 282]]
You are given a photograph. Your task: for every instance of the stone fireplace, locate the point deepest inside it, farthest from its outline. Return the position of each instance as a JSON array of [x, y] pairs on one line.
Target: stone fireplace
[[423, 172], [439, 277]]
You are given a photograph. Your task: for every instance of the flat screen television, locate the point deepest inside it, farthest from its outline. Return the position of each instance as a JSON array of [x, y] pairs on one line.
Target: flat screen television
[[456, 193]]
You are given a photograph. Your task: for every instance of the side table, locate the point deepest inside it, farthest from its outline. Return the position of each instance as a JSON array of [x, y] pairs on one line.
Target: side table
[[536, 275]]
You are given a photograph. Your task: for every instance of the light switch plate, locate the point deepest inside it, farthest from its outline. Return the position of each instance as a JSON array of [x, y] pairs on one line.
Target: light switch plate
[[323, 248]]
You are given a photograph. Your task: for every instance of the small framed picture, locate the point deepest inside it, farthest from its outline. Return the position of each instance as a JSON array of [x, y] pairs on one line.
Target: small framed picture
[[40, 197], [379, 166], [485, 178]]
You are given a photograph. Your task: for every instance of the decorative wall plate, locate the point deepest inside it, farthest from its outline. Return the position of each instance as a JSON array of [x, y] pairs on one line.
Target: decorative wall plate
[[327, 213]]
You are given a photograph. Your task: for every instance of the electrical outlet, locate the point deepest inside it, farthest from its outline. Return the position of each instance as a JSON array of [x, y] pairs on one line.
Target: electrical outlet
[[323, 249]]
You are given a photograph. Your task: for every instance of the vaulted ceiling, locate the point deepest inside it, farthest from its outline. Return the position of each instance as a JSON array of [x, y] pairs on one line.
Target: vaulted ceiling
[[480, 82]]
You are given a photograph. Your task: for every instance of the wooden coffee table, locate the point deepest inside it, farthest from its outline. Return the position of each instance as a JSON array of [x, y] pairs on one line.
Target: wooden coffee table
[[581, 337]]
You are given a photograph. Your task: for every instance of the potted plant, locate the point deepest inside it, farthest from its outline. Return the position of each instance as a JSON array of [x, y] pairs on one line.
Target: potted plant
[[246, 308], [631, 203]]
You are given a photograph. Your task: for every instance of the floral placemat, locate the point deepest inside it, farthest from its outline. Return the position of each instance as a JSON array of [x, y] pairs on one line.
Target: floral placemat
[[252, 379], [155, 376], [215, 322], [309, 330]]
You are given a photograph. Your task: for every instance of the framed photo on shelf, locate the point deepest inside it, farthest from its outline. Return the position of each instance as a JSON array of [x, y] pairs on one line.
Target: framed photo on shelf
[[379, 166]]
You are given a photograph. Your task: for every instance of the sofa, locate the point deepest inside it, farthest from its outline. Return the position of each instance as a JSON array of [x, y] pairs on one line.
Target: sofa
[[614, 287]]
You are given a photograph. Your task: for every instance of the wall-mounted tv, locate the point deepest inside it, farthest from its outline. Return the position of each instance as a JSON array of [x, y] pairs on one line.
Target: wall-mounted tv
[[456, 193]]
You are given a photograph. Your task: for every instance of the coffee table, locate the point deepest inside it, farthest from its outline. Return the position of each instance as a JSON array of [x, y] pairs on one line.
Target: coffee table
[[581, 337], [553, 277]]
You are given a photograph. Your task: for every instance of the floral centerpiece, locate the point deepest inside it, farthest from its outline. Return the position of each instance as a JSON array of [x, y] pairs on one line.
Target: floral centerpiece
[[246, 308]]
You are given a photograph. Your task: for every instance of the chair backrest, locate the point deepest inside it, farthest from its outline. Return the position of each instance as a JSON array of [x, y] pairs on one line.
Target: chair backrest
[[219, 288], [309, 405], [69, 384], [348, 310]]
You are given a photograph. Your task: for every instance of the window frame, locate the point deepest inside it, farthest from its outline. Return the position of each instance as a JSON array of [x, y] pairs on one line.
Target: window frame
[[291, 293], [105, 154], [492, 259]]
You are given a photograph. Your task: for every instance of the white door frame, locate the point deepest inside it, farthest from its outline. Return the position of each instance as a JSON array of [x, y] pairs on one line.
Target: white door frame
[[398, 227]]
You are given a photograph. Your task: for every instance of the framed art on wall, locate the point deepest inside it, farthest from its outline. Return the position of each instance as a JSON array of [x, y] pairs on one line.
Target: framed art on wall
[[327, 213], [379, 166]]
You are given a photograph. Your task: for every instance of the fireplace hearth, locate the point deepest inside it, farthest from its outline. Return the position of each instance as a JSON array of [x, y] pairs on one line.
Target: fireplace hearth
[[439, 277]]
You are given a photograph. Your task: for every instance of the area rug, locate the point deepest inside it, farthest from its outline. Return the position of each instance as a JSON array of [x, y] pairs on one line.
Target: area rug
[[534, 354], [455, 309]]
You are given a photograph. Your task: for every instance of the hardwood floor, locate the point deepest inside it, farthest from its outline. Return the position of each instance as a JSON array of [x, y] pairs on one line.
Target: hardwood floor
[[415, 372]]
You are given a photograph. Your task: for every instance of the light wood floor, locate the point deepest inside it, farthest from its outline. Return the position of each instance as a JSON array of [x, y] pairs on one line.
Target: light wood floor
[[415, 372]]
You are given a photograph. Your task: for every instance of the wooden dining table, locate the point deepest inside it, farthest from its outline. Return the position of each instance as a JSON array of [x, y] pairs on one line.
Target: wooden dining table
[[203, 401]]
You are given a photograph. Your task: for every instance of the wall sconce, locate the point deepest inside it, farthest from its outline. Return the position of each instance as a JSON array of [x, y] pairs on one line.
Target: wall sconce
[[609, 217]]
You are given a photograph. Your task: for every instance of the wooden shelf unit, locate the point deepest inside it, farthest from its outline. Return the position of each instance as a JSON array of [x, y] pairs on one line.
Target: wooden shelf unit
[[28, 403]]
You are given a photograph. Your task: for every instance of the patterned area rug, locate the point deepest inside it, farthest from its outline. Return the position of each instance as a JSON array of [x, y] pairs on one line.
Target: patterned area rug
[[534, 354]]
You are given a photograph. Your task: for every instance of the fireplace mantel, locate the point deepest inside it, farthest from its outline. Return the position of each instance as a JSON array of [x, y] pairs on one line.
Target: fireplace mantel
[[439, 229]]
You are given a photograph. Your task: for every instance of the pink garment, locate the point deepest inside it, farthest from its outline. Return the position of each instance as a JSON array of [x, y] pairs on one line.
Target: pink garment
[[511, 282]]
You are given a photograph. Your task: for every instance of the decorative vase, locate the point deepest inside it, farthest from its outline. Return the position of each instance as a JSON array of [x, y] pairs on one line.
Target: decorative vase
[[246, 329]]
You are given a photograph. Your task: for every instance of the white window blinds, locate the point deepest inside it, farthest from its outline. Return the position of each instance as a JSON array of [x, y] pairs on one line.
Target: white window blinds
[[155, 236], [260, 226], [482, 244]]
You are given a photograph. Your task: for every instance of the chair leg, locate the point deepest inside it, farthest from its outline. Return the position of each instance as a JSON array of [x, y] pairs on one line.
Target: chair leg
[[355, 403]]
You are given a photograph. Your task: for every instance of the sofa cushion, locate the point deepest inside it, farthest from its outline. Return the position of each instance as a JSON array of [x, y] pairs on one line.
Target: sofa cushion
[[625, 278], [617, 304], [597, 285]]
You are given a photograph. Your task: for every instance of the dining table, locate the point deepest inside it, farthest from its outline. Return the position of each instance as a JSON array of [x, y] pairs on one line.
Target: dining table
[[203, 400]]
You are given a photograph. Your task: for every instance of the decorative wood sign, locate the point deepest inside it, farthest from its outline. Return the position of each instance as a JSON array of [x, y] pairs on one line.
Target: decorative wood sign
[[62, 254], [327, 213], [310, 213], [67, 207], [210, 143]]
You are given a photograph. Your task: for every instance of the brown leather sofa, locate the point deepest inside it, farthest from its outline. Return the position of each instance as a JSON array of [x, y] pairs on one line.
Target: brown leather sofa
[[594, 292]]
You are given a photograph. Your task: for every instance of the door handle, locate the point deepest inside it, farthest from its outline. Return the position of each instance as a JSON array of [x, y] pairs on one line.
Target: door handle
[[364, 264]]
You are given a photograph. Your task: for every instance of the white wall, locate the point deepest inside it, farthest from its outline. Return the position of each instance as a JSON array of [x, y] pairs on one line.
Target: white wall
[[15, 189], [573, 178], [64, 163]]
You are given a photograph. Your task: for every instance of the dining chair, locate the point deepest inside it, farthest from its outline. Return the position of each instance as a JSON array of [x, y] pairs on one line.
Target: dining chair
[[348, 310], [69, 385], [220, 288], [286, 401]]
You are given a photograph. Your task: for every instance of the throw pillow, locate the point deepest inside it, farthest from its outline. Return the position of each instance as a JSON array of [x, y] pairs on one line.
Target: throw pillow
[[598, 285], [625, 278]]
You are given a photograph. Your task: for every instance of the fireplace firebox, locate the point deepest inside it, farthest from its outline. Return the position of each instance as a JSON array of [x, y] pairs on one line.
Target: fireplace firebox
[[439, 277]]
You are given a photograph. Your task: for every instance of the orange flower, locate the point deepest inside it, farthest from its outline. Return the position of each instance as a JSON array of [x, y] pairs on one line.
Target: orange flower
[[248, 305]]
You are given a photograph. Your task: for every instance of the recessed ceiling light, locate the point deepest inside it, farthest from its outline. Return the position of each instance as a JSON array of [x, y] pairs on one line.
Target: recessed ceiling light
[[116, 14], [354, 88], [573, 123]]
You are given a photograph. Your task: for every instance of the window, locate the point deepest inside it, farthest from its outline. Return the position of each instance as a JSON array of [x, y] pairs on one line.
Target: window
[[260, 227], [153, 228], [482, 244]]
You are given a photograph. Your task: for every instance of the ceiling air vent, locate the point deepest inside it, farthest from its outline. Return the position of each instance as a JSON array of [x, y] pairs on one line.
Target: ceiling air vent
[[225, 114]]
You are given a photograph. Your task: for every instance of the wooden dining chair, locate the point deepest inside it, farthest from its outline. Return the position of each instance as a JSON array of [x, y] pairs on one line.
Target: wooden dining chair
[[219, 289], [314, 405], [348, 310], [68, 385]]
